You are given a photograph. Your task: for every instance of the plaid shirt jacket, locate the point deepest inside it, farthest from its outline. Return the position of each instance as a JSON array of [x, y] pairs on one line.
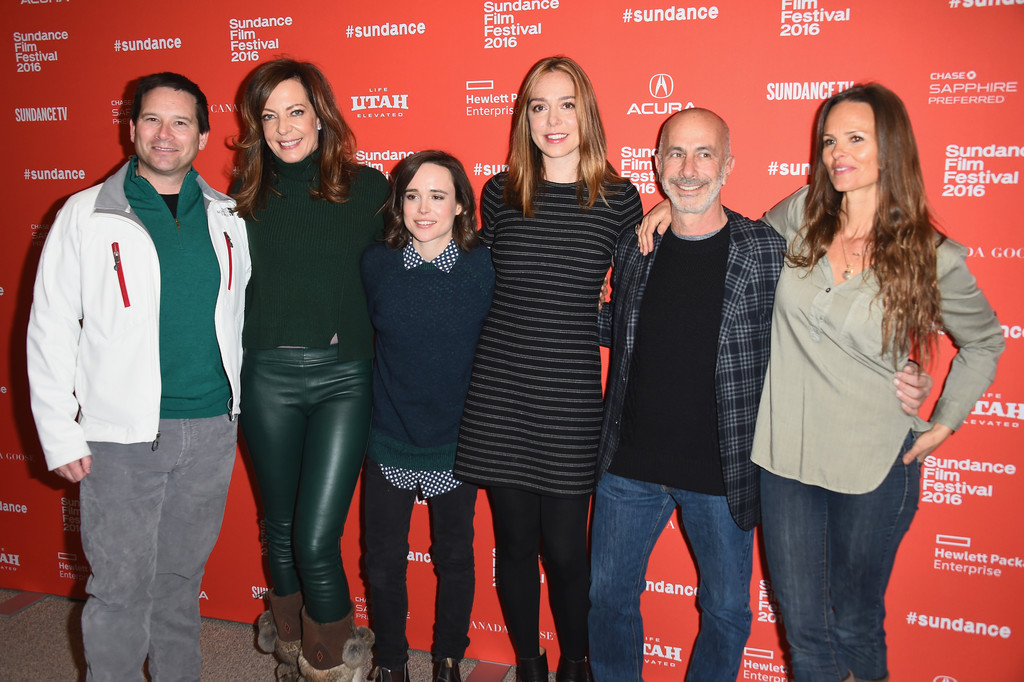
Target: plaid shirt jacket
[[756, 253]]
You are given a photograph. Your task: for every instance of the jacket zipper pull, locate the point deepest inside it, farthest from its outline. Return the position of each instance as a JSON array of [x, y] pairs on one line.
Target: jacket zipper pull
[[116, 250], [231, 260], [156, 443]]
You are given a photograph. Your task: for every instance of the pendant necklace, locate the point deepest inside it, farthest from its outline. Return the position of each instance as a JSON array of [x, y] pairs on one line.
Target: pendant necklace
[[848, 272]]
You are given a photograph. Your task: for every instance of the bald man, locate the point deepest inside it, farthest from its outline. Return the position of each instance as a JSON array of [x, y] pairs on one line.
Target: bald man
[[689, 331]]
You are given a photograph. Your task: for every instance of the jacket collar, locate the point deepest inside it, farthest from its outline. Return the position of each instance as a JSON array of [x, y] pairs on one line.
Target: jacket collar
[[112, 198]]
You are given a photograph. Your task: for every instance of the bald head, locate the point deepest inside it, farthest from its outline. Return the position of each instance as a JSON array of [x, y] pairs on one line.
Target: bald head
[[696, 116], [693, 163]]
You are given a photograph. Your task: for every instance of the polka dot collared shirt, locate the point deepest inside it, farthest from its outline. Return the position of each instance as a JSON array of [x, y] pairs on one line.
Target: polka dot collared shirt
[[429, 483]]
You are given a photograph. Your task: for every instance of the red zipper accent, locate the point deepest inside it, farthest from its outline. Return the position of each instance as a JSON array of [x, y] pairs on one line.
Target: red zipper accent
[[231, 261], [120, 273]]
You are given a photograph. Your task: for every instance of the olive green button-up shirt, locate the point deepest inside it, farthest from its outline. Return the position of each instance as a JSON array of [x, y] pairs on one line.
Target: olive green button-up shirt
[[829, 415]]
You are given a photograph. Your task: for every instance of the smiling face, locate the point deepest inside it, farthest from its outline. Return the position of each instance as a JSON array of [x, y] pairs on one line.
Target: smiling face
[[429, 209], [289, 122], [553, 125], [693, 161], [849, 148], [167, 138]]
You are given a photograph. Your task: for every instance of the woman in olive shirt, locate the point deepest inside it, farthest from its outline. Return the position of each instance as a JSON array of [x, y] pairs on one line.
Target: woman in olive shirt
[[870, 282]]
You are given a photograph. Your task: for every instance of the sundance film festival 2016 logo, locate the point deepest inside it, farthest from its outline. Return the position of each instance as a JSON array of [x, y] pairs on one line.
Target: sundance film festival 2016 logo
[[376, 158], [660, 87]]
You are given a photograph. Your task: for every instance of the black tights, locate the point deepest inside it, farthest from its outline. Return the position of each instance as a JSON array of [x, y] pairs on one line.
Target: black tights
[[522, 521]]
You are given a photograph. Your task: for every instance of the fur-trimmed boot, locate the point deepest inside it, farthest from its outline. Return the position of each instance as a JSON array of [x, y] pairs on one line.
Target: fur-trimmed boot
[[334, 652], [280, 633]]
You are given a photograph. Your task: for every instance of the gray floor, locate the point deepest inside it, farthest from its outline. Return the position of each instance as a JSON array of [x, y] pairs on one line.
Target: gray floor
[[43, 642]]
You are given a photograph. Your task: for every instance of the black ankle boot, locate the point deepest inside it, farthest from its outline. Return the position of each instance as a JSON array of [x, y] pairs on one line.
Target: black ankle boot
[[574, 671], [386, 675], [447, 670], [532, 669]]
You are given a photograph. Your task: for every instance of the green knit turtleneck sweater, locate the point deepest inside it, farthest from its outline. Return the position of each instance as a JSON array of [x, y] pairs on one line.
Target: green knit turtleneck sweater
[[305, 285]]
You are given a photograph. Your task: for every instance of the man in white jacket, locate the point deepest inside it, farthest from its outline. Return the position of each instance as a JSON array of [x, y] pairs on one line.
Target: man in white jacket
[[134, 351]]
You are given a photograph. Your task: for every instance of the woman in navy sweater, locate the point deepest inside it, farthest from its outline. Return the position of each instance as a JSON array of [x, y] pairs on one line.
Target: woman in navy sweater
[[428, 290]]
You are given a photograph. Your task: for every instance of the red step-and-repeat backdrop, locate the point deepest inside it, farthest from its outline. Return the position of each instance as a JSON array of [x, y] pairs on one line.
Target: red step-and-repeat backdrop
[[415, 75]]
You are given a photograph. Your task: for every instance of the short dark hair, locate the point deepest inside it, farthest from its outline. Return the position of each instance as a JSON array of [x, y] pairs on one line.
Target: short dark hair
[[174, 81], [464, 232]]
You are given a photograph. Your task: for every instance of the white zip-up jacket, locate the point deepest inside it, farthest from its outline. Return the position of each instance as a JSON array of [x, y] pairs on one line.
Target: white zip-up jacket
[[93, 331]]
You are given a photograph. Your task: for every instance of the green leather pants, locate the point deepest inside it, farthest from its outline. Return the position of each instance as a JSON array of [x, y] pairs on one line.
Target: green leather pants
[[305, 418]]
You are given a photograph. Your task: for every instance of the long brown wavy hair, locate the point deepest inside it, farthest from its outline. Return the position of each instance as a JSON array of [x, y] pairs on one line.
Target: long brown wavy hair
[[525, 162], [464, 232], [903, 239], [337, 144]]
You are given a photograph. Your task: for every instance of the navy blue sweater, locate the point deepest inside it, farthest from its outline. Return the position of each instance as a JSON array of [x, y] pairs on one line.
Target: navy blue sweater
[[427, 323]]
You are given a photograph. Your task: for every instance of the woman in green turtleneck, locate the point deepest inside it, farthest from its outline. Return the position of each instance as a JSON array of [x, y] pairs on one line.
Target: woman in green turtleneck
[[310, 210]]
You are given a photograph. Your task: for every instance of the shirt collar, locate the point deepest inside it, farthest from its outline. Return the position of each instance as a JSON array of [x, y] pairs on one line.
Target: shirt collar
[[444, 261]]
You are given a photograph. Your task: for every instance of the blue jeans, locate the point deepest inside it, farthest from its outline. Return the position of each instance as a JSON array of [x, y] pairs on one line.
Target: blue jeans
[[150, 519], [829, 557], [629, 516]]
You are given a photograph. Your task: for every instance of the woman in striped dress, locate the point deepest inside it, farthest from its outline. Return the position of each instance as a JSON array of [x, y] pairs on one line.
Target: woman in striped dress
[[532, 420]]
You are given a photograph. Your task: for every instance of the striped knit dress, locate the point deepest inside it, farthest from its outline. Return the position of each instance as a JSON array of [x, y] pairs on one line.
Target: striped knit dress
[[532, 419]]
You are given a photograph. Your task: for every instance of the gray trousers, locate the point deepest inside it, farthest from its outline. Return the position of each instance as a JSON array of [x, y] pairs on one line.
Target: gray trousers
[[149, 522]]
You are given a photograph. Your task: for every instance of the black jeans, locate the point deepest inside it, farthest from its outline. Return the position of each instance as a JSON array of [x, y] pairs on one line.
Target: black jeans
[[387, 512], [306, 418]]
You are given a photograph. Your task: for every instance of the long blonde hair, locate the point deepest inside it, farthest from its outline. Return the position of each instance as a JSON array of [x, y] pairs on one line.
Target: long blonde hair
[[525, 163], [903, 238]]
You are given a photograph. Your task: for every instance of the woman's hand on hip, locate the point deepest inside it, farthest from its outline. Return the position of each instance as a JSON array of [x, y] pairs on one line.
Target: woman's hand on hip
[[927, 442]]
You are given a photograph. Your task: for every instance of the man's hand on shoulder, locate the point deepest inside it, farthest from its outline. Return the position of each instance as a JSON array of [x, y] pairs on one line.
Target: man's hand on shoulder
[[75, 471], [658, 219]]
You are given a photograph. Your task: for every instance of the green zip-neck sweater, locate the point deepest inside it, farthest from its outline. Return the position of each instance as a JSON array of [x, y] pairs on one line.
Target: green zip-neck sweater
[[193, 384], [305, 285]]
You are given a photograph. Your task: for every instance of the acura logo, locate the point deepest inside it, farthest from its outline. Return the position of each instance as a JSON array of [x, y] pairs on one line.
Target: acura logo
[[661, 85], [943, 678]]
